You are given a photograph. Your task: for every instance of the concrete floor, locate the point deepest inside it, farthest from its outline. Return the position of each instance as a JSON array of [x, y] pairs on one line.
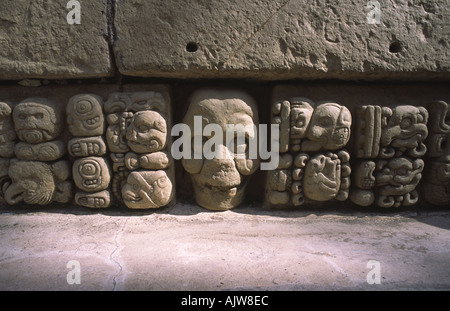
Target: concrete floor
[[188, 248]]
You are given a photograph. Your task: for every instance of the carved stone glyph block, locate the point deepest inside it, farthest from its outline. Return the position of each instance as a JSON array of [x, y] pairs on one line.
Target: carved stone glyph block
[[39, 183], [313, 167], [220, 182], [90, 171], [138, 137], [390, 143], [7, 133], [436, 188], [37, 175]]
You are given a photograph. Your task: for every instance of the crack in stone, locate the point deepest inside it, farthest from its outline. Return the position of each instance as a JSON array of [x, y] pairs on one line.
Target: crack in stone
[[259, 28], [111, 256]]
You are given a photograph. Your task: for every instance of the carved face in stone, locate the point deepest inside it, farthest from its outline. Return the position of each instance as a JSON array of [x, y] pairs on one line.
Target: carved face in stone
[[36, 121], [147, 132], [301, 112], [330, 126], [147, 189], [363, 176], [407, 129], [91, 174], [322, 177], [85, 115], [220, 183], [399, 175]]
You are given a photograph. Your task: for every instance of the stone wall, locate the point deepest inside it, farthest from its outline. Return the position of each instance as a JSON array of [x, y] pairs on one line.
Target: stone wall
[[270, 40], [359, 93]]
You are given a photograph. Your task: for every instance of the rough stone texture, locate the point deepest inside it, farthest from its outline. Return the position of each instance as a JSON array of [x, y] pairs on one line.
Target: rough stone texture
[[37, 42], [188, 248], [282, 39]]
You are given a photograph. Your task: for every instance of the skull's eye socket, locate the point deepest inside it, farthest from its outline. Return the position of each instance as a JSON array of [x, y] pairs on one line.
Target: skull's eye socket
[[83, 107], [406, 123], [39, 116], [22, 116], [325, 121], [143, 128], [299, 120]]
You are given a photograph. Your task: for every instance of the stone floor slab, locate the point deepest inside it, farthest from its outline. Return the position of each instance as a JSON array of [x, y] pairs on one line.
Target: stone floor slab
[[188, 248]]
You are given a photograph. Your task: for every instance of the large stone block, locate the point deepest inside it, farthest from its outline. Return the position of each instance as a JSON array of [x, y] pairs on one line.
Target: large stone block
[[36, 41], [283, 39]]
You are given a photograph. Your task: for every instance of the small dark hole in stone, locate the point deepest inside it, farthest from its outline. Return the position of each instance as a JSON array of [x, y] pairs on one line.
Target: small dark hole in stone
[[191, 47], [395, 47]]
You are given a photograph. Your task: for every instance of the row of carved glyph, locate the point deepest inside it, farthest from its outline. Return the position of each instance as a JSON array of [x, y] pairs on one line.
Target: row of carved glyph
[[96, 153], [118, 150]]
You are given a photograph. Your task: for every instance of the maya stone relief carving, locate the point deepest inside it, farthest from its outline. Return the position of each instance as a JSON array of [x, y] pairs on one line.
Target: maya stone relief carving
[[90, 171], [389, 147], [220, 183], [35, 173], [119, 151], [313, 165], [436, 186], [138, 137]]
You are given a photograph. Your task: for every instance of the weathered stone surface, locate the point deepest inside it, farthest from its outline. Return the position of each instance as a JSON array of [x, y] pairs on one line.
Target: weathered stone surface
[[188, 249], [36, 40], [138, 137], [283, 39]]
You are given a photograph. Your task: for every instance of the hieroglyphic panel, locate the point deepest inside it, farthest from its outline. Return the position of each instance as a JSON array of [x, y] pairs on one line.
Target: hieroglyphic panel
[[138, 137], [313, 165], [7, 141], [389, 146], [37, 175], [90, 171], [436, 188]]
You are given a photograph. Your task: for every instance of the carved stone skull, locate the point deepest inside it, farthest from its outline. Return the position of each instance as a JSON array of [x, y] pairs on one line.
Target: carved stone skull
[[220, 183], [329, 128], [363, 177]]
